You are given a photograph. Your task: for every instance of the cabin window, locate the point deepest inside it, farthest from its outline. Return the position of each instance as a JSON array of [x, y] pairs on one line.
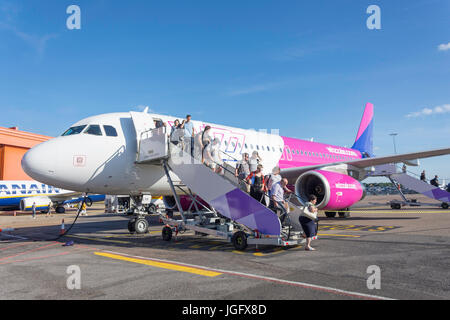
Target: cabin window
[[257, 147], [245, 146], [94, 129], [74, 130], [110, 131]]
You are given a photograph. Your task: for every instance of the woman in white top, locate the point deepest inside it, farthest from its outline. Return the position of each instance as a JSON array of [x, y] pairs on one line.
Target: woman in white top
[[216, 158], [254, 160]]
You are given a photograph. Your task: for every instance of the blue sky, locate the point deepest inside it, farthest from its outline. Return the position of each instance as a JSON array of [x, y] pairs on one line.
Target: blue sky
[[305, 67]]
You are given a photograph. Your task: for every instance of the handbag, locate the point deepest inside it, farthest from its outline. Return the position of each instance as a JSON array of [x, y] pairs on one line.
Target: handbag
[[308, 214]]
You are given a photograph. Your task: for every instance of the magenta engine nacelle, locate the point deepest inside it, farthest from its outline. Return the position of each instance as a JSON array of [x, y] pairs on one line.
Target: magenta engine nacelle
[[333, 190]]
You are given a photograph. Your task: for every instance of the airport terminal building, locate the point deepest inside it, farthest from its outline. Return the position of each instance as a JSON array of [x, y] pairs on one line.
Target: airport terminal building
[[13, 145]]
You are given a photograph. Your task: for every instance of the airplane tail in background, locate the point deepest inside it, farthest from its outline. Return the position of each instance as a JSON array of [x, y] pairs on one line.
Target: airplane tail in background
[[364, 138]]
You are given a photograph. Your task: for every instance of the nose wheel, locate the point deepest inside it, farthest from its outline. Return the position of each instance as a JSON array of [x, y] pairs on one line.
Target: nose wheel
[[138, 225]]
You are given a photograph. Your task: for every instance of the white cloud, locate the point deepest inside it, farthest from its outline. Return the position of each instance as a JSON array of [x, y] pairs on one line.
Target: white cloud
[[444, 47], [8, 17], [445, 108], [256, 88]]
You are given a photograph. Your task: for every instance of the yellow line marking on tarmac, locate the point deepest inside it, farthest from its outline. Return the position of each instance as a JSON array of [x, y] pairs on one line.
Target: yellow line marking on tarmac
[[262, 254], [163, 265], [238, 252], [98, 239], [197, 246], [338, 235]]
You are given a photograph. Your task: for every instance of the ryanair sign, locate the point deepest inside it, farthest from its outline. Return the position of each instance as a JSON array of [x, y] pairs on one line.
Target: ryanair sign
[[30, 188]]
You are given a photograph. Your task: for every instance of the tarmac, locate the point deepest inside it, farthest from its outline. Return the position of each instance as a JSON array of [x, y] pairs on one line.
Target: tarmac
[[411, 248]]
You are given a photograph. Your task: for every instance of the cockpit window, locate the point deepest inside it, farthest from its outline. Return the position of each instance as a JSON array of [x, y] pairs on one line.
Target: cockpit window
[[110, 131], [94, 129], [74, 130]]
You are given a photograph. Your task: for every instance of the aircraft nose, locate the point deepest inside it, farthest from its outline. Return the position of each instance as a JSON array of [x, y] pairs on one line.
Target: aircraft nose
[[40, 162]]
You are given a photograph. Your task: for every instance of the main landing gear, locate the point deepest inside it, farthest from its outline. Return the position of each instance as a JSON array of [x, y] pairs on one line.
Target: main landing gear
[[344, 213]]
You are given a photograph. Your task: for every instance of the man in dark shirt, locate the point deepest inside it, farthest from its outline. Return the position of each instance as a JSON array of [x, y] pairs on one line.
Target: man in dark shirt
[[422, 176], [435, 181]]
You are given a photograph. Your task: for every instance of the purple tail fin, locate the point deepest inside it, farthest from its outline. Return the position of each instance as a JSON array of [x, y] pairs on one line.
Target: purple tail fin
[[364, 138]]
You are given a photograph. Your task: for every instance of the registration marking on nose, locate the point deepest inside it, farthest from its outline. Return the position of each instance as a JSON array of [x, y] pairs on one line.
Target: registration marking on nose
[[79, 161]]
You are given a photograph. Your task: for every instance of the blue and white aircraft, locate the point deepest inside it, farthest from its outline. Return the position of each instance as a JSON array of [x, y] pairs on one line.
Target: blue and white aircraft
[[20, 195]]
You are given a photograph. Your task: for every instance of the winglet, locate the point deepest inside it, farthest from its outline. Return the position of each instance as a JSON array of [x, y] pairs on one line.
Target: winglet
[[364, 138]]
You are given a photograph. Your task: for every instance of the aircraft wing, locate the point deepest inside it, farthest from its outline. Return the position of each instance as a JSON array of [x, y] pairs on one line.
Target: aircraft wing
[[64, 196], [294, 172]]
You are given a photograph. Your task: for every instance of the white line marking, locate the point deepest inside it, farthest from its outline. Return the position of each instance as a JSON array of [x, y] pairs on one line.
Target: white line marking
[[258, 277]]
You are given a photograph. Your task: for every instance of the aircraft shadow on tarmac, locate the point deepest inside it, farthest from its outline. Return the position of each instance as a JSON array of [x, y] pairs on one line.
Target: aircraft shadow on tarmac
[[114, 234]]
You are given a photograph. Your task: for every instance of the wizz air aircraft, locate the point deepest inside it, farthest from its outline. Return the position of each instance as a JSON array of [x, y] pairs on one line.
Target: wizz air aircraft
[[99, 155], [20, 195]]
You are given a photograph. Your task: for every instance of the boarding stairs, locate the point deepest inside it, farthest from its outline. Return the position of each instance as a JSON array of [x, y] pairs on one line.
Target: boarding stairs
[[219, 191], [411, 181]]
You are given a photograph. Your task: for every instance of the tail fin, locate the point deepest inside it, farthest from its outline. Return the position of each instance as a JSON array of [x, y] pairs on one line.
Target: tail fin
[[364, 138]]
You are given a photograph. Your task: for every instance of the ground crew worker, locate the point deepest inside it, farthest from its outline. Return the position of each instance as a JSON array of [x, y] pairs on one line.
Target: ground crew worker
[[33, 208], [49, 211], [83, 209]]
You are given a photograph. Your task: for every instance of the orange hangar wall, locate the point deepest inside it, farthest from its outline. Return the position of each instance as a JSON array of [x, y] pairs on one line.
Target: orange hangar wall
[[13, 145]]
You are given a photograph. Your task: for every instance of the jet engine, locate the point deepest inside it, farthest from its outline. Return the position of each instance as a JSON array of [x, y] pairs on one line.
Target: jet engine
[[333, 190], [41, 203]]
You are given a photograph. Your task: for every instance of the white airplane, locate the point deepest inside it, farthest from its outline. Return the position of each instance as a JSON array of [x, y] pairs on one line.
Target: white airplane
[[105, 150], [20, 195]]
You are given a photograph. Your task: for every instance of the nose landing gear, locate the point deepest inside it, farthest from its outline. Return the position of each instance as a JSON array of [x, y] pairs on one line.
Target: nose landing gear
[[138, 225]]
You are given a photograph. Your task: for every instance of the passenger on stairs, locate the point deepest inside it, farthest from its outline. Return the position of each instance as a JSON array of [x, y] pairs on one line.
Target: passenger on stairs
[[177, 132], [216, 158], [189, 134], [198, 146], [435, 181], [206, 142], [257, 185], [277, 195], [242, 171], [273, 178], [254, 161], [422, 176]]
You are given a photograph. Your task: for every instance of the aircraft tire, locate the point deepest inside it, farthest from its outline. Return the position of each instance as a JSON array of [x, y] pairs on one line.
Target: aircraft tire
[[60, 210], [239, 240], [141, 226], [444, 205], [344, 214], [167, 233], [330, 214], [131, 225]]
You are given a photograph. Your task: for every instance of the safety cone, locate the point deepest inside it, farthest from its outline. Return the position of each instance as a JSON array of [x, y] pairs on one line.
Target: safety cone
[[63, 229], [14, 213]]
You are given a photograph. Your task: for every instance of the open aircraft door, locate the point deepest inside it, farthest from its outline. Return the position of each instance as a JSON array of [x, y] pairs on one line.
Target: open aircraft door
[[151, 145]]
